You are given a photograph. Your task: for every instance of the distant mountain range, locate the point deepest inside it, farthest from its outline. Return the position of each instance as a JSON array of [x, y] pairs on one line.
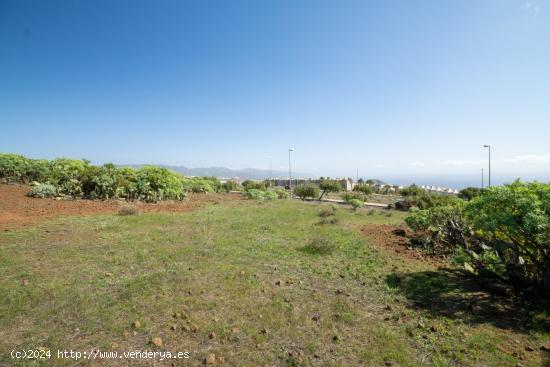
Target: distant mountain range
[[245, 173]]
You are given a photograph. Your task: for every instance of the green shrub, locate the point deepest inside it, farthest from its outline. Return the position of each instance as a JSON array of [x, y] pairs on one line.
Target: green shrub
[[263, 195], [249, 184], [43, 191], [230, 186], [281, 193], [349, 196], [515, 221], [155, 183], [306, 191], [327, 212], [356, 203], [320, 246], [363, 188], [15, 168], [469, 193]]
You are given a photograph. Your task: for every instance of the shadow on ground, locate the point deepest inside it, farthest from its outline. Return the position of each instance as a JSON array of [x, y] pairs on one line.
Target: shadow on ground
[[456, 294]]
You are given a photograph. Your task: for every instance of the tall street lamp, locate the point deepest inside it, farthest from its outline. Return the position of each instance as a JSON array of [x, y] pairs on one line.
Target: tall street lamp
[[290, 172], [489, 147]]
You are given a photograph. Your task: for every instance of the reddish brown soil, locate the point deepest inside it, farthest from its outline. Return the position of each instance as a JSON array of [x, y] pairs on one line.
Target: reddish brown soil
[[385, 236], [18, 210]]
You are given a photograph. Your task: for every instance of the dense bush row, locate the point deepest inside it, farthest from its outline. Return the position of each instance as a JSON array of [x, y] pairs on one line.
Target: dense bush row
[[503, 231], [79, 178]]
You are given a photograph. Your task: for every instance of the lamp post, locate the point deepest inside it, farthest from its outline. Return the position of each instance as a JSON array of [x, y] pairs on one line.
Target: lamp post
[[290, 172], [489, 147]]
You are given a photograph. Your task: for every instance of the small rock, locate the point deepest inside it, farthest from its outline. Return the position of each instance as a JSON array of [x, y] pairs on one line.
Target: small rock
[[242, 272], [157, 342], [136, 324], [264, 331], [212, 335], [194, 328], [114, 345], [25, 282], [433, 329], [210, 359], [529, 348], [110, 275], [335, 338], [173, 327], [316, 317], [234, 330], [338, 291], [278, 282]]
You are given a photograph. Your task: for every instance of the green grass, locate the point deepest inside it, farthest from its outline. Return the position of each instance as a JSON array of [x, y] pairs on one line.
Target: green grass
[[240, 271]]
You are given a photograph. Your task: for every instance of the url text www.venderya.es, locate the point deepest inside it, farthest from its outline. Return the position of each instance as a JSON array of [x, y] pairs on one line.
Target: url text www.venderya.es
[[97, 354]]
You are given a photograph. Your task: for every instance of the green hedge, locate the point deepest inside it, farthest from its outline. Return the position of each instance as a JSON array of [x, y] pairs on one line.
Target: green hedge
[[79, 178]]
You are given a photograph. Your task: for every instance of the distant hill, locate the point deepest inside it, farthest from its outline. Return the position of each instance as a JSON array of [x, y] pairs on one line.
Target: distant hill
[[245, 173]]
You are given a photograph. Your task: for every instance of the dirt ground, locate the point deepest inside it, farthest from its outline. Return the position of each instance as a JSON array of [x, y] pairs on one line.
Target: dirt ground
[[397, 239], [18, 210]]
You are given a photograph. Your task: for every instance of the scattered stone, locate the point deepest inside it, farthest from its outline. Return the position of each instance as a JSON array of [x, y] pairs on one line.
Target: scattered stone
[[110, 275], [242, 272], [316, 317], [338, 291], [157, 342], [210, 359], [173, 327], [278, 282], [194, 328], [234, 330], [136, 324], [529, 348], [264, 331], [114, 345], [212, 335], [433, 329], [25, 282]]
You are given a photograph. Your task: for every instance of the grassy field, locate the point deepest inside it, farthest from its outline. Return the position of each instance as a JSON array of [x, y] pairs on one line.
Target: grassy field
[[254, 284]]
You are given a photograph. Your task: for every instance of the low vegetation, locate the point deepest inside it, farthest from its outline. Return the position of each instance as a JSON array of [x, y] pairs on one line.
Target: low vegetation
[[78, 178], [249, 283]]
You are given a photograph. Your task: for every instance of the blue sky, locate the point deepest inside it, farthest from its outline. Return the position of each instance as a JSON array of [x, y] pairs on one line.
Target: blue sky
[[404, 90]]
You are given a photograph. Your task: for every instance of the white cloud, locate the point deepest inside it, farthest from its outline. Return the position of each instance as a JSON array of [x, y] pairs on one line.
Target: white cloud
[[417, 164]]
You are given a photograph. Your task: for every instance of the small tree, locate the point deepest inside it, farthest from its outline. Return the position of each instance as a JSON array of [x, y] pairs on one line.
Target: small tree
[[306, 191], [329, 186]]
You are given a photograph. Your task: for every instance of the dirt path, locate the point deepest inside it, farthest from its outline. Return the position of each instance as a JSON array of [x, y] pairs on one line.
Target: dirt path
[[18, 210]]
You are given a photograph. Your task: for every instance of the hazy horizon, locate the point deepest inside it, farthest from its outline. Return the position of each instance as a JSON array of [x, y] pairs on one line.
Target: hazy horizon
[[401, 91]]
